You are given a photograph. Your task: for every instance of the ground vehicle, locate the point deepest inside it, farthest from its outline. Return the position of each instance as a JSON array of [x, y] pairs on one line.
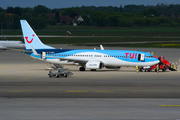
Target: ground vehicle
[[59, 72], [162, 65]]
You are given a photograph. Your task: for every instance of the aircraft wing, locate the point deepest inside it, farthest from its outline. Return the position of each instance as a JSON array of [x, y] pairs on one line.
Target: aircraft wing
[[21, 50], [70, 59]]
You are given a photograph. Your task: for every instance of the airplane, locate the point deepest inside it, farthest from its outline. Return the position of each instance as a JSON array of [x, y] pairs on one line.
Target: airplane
[[86, 58], [11, 44]]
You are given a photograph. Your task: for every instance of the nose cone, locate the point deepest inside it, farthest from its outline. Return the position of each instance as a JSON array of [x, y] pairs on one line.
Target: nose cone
[[156, 61]]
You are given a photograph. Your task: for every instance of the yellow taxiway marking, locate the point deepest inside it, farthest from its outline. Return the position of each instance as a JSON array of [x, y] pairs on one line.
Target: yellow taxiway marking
[[102, 91], [10, 78], [169, 105], [87, 91], [17, 90], [152, 90], [15, 78], [76, 91], [26, 78]]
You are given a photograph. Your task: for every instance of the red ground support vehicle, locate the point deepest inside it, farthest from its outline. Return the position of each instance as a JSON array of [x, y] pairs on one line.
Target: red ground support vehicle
[[162, 65]]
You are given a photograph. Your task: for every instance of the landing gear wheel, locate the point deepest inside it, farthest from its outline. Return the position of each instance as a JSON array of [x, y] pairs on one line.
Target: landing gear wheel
[[140, 69], [82, 69], [57, 76], [65, 75]]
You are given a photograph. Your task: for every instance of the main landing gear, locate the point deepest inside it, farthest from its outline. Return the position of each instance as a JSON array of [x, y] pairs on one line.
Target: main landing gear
[[82, 69], [93, 69]]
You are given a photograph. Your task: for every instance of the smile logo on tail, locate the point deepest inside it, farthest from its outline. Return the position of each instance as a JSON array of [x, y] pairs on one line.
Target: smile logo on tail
[[28, 40]]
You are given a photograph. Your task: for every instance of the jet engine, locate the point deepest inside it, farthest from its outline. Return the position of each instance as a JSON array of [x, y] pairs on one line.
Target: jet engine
[[94, 65]]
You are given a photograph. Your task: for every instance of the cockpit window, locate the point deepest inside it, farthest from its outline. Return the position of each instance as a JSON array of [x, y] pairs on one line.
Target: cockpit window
[[149, 56]]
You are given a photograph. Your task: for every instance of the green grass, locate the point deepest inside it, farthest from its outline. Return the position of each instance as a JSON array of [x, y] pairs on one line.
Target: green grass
[[113, 42], [100, 31], [143, 45], [89, 31], [143, 34]]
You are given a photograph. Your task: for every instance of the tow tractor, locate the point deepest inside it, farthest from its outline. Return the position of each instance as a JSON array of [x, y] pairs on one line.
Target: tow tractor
[[59, 71], [162, 65]]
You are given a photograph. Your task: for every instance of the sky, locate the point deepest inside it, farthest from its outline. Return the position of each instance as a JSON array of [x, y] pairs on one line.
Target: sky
[[74, 3]]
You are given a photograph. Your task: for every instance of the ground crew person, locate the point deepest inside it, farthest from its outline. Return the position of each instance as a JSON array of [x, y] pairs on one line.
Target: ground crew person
[[152, 53], [175, 66], [137, 69], [172, 65], [157, 68]]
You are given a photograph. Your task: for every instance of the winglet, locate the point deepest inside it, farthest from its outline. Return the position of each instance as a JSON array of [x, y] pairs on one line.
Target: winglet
[[102, 48], [34, 51]]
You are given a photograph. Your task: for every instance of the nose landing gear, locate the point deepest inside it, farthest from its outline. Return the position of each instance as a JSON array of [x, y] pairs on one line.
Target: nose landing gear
[[82, 69]]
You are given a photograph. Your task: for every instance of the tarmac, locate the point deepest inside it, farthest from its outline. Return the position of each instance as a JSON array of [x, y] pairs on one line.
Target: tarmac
[[27, 93]]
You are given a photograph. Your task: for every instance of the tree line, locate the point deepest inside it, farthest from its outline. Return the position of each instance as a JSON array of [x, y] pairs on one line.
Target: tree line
[[128, 16]]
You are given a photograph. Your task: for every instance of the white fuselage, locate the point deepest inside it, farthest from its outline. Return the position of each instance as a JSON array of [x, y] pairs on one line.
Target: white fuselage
[[11, 44], [111, 58]]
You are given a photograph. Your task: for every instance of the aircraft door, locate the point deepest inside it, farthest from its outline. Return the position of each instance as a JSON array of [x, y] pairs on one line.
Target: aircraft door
[[43, 55], [141, 57]]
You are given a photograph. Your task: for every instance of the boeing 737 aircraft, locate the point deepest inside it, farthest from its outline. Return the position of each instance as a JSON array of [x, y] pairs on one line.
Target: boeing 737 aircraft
[[11, 44], [86, 58]]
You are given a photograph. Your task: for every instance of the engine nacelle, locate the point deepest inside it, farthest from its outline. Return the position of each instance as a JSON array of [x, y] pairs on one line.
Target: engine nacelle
[[112, 67], [94, 65], [43, 55]]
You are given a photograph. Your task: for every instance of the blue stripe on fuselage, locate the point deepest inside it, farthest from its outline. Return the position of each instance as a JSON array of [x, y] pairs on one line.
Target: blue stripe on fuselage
[[50, 50], [125, 55]]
